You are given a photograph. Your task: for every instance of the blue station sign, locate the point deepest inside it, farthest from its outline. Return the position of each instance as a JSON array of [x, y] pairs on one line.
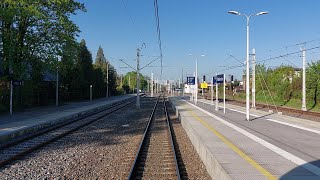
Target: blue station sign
[[218, 79], [191, 80]]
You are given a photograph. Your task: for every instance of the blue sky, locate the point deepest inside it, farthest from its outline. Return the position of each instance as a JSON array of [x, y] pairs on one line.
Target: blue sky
[[199, 27]]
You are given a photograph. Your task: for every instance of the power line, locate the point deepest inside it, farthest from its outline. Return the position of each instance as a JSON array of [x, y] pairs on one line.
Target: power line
[[288, 54], [235, 58], [131, 19], [289, 61], [273, 58], [150, 63], [156, 13], [290, 46]]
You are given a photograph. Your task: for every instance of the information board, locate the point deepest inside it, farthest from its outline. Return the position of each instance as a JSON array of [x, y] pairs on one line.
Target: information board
[[219, 78], [191, 80], [204, 85]]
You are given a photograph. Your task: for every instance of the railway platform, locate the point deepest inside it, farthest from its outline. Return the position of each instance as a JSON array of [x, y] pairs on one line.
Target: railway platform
[[22, 123], [270, 146]]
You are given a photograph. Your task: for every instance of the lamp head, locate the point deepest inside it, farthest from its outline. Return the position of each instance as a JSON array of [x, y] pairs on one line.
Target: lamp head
[[234, 12], [262, 13]]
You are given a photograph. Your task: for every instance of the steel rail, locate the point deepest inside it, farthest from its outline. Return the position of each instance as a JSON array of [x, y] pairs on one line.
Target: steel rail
[[50, 140], [171, 140], [143, 139]]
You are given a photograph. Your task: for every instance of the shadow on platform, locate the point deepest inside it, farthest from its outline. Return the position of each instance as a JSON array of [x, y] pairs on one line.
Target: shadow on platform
[[300, 172]]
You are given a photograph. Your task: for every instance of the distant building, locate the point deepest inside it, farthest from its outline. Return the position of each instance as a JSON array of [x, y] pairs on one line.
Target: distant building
[[189, 88], [296, 73]]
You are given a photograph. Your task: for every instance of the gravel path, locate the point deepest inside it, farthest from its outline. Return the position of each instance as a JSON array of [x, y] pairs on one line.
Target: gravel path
[[194, 167], [95, 152]]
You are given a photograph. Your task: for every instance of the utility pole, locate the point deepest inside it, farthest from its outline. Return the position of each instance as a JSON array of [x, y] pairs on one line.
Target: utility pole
[[138, 79], [107, 93], [129, 84], [212, 91], [247, 76], [11, 71], [304, 108], [157, 86], [193, 88], [253, 78], [11, 95], [90, 92], [171, 88], [182, 83], [224, 93], [196, 93], [57, 88], [203, 80], [179, 86], [151, 84], [121, 81], [217, 100]]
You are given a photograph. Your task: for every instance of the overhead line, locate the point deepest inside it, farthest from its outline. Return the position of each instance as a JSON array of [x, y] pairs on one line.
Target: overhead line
[[131, 19], [156, 13], [288, 54], [272, 58], [292, 45]]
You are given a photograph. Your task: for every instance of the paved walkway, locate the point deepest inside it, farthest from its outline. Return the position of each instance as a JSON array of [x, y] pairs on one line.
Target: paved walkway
[[270, 146], [32, 119]]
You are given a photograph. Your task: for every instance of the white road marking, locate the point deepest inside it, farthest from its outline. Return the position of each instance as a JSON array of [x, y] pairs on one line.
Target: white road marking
[[276, 121], [295, 126], [281, 152], [233, 110]]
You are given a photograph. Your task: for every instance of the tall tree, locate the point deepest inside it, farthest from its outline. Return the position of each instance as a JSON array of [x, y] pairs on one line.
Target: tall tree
[[109, 72], [85, 69], [313, 82], [32, 36], [133, 80], [100, 59], [34, 31]]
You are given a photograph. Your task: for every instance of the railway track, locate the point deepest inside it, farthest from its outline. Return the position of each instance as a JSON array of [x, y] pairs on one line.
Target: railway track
[[286, 110], [21, 147], [156, 156]]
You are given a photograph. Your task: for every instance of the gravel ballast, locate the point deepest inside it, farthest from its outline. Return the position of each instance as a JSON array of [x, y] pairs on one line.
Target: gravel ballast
[[101, 150], [93, 152], [194, 167]]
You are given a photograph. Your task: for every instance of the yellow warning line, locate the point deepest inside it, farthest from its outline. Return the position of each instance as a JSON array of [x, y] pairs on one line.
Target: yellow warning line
[[233, 147]]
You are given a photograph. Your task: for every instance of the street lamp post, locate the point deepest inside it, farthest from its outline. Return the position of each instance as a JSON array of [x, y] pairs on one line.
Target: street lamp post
[[196, 80], [247, 60]]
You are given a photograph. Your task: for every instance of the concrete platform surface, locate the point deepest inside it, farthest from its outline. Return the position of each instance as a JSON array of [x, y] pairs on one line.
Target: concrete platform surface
[[21, 123], [233, 148]]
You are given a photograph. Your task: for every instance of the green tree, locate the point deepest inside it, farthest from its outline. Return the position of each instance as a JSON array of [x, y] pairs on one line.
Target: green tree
[[67, 70], [112, 79], [313, 82], [34, 30], [100, 59], [109, 72], [280, 83], [133, 80], [85, 69], [32, 36]]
